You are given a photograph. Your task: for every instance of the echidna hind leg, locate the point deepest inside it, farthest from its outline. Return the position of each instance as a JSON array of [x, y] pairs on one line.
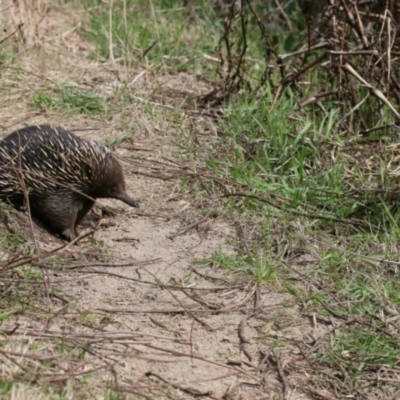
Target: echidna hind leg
[[58, 212]]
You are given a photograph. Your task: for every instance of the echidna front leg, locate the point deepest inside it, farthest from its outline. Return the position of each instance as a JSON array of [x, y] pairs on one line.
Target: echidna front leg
[[58, 212], [86, 206]]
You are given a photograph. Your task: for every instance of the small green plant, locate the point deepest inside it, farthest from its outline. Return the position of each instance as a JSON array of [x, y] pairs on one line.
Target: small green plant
[[8, 240], [262, 269], [120, 139], [6, 315], [113, 395], [5, 387], [359, 348]]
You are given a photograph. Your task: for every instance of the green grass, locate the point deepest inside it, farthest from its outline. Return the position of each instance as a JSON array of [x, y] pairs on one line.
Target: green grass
[[362, 348], [118, 140], [262, 269], [5, 387], [301, 186], [69, 100], [8, 240], [161, 31]]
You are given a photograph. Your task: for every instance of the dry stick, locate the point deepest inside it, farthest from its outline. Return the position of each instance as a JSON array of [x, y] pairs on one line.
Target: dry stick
[[299, 213], [286, 18], [165, 327], [168, 383], [20, 177], [318, 341], [212, 278], [246, 298], [10, 9], [361, 256], [37, 357], [19, 26], [317, 317], [352, 110], [201, 358], [185, 389], [99, 337], [368, 131], [160, 177], [153, 103], [5, 354], [147, 51], [281, 375], [131, 264], [359, 28], [191, 341], [139, 75], [304, 50], [242, 338], [20, 302], [26, 260], [388, 51], [337, 315], [395, 394], [315, 98], [374, 91], [292, 77], [33, 282], [182, 311], [36, 75], [204, 324], [181, 288], [71, 243], [354, 53], [194, 224], [46, 276], [315, 368], [62, 377], [269, 47], [200, 300], [345, 373], [110, 33]]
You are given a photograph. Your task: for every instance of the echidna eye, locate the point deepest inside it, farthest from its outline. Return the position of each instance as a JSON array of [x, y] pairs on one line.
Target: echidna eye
[[114, 190]]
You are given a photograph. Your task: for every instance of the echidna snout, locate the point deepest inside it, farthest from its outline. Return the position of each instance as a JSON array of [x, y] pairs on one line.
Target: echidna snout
[[126, 199], [112, 184], [61, 174]]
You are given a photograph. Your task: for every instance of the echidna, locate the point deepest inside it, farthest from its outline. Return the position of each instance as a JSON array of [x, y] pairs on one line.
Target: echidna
[[61, 174]]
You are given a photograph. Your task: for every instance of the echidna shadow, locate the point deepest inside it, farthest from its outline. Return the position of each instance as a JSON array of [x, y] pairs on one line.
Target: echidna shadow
[[61, 174]]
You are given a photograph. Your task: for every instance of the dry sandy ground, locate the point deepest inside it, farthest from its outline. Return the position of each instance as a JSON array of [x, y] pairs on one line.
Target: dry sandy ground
[[153, 321], [162, 321]]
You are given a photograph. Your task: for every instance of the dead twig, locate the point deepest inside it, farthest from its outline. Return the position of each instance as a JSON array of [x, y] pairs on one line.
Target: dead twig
[[194, 224], [281, 374]]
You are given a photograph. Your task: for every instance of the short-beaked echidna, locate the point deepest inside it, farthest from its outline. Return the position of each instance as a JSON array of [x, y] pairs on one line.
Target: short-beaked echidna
[[61, 175]]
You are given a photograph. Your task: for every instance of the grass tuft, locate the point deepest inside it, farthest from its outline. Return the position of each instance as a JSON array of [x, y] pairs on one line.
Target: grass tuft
[[165, 33], [69, 100]]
